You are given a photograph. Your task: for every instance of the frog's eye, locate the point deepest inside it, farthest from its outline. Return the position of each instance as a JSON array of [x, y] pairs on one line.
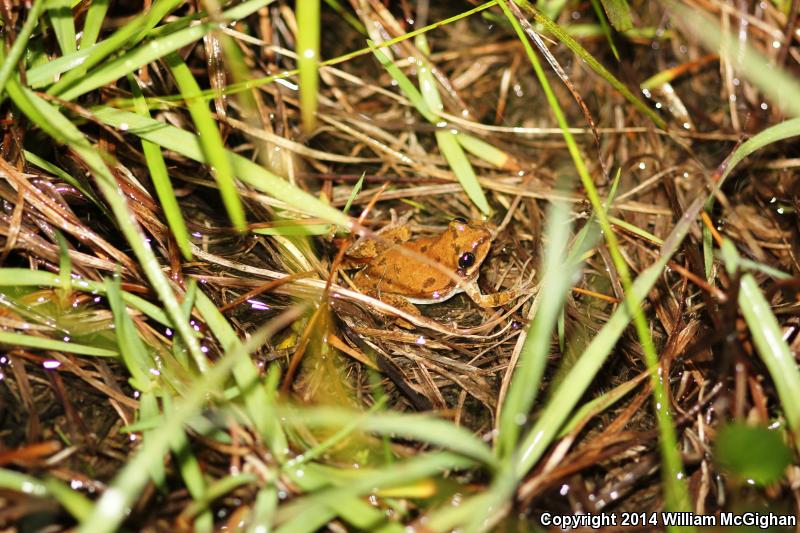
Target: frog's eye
[[466, 260], [460, 220]]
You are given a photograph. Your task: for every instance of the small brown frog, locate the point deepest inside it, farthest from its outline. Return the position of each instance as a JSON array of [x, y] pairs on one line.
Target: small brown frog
[[403, 279]]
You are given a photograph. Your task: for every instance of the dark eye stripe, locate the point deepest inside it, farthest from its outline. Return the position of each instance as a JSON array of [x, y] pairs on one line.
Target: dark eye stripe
[[460, 220]]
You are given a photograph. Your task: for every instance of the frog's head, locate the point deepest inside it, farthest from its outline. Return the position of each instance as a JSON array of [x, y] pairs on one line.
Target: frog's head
[[470, 243]]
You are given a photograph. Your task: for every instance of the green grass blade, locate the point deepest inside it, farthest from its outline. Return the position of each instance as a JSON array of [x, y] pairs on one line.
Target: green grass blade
[[483, 150], [619, 14], [676, 495], [148, 409], [527, 377], [75, 84], [420, 427], [188, 145], [75, 503], [131, 347], [10, 338], [777, 84], [160, 177], [210, 140], [405, 85], [599, 404], [595, 65], [16, 481], [47, 166], [354, 193], [190, 471], [93, 23], [64, 268], [88, 57], [259, 399], [10, 62], [60, 13], [308, 33], [462, 168], [264, 508], [778, 132], [23, 277], [347, 16], [313, 511], [768, 339], [427, 83], [604, 27], [130, 61], [216, 490], [448, 141]]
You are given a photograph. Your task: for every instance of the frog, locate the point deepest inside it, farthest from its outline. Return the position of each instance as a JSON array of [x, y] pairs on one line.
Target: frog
[[405, 272]]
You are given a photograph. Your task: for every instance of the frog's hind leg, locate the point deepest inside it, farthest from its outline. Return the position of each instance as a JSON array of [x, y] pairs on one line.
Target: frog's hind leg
[[369, 247], [404, 305]]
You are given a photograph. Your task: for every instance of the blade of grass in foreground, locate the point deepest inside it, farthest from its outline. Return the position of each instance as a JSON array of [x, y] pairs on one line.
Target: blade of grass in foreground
[[575, 384], [134, 354], [308, 18], [527, 376], [780, 86], [190, 470], [93, 23], [595, 65], [10, 62], [19, 339], [16, 481], [259, 399], [768, 338], [113, 506], [75, 84], [160, 178], [210, 140], [188, 145], [676, 494], [60, 12], [421, 427], [23, 277], [314, 511]]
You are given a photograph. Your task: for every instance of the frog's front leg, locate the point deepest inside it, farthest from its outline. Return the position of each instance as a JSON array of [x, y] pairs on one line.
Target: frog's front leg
[[490, 300]]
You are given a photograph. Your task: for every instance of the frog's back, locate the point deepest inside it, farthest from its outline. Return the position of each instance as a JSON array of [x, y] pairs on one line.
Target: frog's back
[[402, 270]]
